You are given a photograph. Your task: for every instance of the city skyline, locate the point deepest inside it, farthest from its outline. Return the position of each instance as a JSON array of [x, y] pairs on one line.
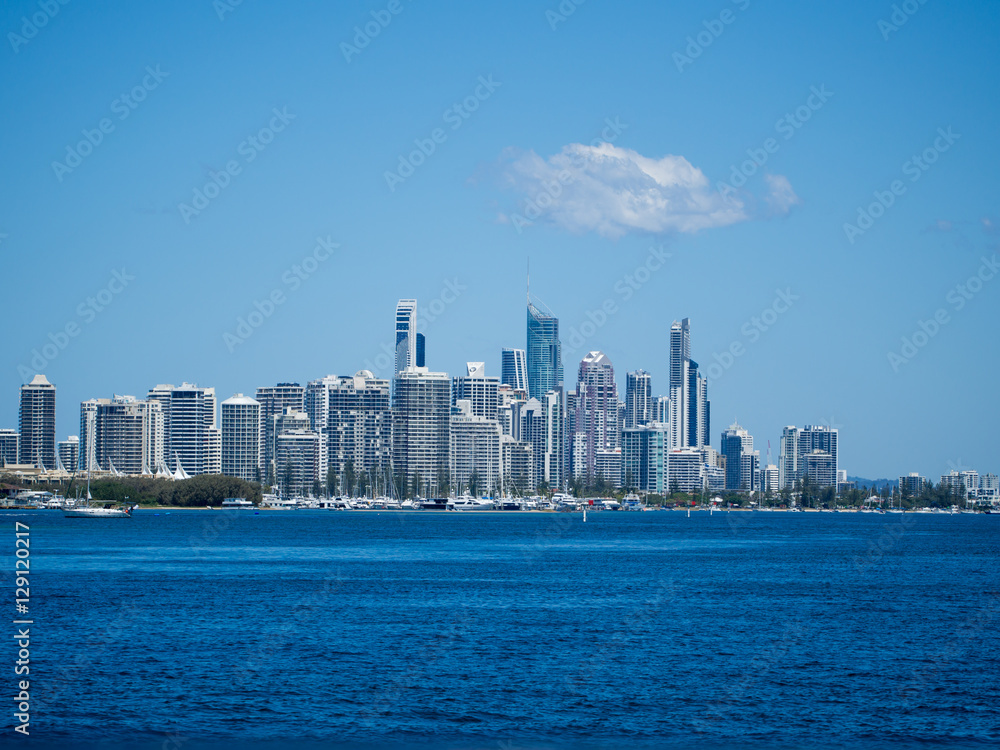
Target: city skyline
[[273, 400]]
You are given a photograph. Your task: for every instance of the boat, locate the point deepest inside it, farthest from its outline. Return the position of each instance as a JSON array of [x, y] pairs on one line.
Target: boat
[[85, 510], [470, 503], [237, 503]]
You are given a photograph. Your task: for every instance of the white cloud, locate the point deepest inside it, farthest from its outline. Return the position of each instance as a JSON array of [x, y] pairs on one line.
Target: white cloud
[[780, 196], [613, 191]]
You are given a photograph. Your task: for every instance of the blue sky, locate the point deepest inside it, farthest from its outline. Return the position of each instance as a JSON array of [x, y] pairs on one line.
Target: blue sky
[[534, 107]]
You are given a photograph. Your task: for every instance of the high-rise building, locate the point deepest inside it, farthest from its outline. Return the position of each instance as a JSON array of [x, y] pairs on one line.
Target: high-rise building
[[514, 369], [421, 350], [241, 438], [37, 423], [191, 438], [296, 453], [821, 468], [421, 415], [121, 434], [645, 451], [540, 424], [737, 447], [357, 431], [912, 485], [69, 453], [474, 454], [638, 398], [661, 410], [516, 458], [478, 389], [608, 466], [596, 411], [544, 353], [406, 335], [771, 483], [797, 443], [9, 440], [273, 401], [690, 417]]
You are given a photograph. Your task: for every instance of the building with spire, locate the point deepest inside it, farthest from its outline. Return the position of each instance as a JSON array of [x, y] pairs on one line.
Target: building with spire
[[544, 353]]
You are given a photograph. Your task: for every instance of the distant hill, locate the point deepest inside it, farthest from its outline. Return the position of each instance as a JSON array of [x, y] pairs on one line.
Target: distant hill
[[866, 483]]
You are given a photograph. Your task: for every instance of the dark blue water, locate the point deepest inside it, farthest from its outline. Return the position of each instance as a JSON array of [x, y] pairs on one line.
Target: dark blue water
[[508, 631]]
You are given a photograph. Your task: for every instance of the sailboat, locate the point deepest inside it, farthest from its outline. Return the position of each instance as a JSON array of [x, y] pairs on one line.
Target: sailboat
[[86, 511]]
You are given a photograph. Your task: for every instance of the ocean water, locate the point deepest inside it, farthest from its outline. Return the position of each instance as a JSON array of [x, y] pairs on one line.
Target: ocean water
[[188, 629]]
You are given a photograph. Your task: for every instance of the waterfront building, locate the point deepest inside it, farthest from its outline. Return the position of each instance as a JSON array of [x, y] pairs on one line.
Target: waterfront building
[[37, 423], [797, 443], [544, 353], [356, 428], [474, 455], [516, 461], [241, 437], [596, 418], [771, 480], [645, 451], [9, 440], [608, 466], [69, 453], [191, 439], [273, 401], [821, 468], [421, 416], [912, 485], [120, 433], [296, 455], [737, 447]]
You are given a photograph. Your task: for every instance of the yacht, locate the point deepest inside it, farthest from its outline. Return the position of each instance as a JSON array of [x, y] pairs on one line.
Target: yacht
[[237, 503]]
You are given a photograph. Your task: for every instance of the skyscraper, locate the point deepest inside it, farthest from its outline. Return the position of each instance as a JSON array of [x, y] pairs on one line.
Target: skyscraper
[[273, 401], [596, 411], [478, 389], [798, 443], [514, 369], [544, 354], [37, 423], [474, 454], [357, 429], [406, 334], [690, 418], [736, 443], [241, 438], [638, 398], [191, 438], [421, 414], [127, 434]]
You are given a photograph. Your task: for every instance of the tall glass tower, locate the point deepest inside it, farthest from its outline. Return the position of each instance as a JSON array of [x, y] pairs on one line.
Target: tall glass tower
[[514, 369], [545, 370]]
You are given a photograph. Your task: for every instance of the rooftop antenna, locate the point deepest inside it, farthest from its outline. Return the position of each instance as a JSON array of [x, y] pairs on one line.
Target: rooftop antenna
[[528, 278]]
